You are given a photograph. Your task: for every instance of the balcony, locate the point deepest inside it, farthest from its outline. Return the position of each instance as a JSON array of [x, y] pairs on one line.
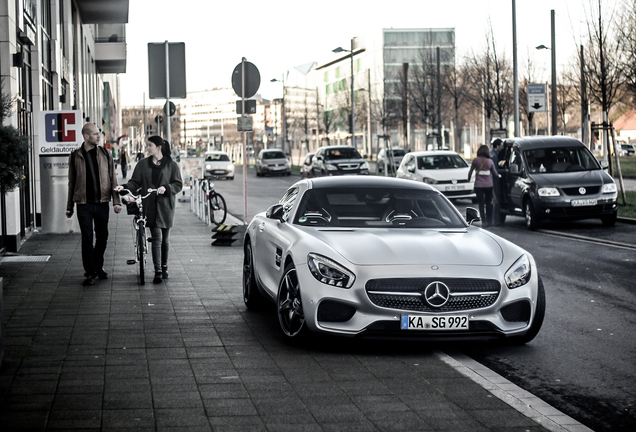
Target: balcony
[[103, 12], [110, 48]]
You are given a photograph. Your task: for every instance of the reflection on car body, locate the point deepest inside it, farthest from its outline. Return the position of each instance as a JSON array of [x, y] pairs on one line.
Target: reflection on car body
[[384, 257]]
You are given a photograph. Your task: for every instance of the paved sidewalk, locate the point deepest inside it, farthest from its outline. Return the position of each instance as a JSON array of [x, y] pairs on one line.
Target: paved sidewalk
[[186, 355]]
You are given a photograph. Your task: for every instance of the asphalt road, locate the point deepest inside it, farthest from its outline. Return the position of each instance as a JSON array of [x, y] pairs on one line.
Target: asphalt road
[[582, 361]]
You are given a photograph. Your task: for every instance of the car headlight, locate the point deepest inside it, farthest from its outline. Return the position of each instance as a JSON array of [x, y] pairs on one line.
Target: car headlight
[[609, 188], [548, 192], [365, 165], [519, 274], [329, 272], [332, 167], [230, 167], [208, 166], [428, 180]]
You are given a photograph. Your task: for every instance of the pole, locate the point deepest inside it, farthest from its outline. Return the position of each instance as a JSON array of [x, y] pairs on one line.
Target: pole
[[353, 123], [167, 113], [439, 100], [554, 78], [584, 119], [369, 110], [243, 114], [515, 70]]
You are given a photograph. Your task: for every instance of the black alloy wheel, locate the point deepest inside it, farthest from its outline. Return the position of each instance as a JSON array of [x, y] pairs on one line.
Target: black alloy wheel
[[532, 219], [290, 309], [251, 296]]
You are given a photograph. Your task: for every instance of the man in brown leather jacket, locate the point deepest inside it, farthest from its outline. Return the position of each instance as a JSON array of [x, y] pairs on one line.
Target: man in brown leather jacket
[[91, 182]]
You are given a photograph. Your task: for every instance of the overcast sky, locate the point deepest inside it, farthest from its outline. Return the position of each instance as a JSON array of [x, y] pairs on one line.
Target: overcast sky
[[277, 35]]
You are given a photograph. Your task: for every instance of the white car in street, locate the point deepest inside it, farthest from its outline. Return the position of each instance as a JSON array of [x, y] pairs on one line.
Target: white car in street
[[445, 170], [218, 165]]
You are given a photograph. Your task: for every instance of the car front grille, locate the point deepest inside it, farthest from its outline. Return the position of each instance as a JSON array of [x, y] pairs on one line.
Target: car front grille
[[457, 181], [407, 294], [589, 190], [348, 166]]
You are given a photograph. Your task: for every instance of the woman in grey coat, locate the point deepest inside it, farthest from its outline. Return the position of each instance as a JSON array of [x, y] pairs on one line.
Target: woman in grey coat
[[158, 171]]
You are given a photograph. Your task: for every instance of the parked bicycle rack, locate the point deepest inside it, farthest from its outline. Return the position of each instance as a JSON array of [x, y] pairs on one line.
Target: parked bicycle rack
[[198, 201]]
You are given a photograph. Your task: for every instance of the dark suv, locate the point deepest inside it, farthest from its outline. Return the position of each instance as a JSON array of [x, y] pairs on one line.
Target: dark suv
[[338, 160], [554, 178]]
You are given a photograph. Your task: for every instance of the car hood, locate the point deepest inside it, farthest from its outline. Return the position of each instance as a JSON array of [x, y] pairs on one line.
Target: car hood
[[573, 179], [472, 247], [446, 174]]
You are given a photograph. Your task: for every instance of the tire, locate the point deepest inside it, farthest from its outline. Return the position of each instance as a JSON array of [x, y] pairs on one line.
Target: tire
[[537, 322], [502, 218], [289, 305], [218, 210], [141, 255], [610, 220], [532, 220], [252, 298]]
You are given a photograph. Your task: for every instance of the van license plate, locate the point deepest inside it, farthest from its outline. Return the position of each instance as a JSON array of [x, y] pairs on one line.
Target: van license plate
[[421, 322], [583, 202]]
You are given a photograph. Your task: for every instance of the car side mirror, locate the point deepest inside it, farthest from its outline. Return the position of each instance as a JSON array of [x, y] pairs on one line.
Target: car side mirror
[[514, 169], [604, 164], [275, 212], [472, 215], [411, 169]]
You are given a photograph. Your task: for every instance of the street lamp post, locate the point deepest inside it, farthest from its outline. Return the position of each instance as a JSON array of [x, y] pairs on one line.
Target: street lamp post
[[282, 116], [352, 123], [553, 88]]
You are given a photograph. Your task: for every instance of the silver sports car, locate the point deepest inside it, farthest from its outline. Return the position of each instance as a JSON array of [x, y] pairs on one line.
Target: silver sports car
[[387, 258]]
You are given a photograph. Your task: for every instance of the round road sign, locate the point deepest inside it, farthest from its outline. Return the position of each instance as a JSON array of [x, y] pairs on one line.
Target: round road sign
[[252, 80]]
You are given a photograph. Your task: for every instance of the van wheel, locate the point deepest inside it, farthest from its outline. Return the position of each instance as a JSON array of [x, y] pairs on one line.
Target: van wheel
[[610, 220], [532, 220]]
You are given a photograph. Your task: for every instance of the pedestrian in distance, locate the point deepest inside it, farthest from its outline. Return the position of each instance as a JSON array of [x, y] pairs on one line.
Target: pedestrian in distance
[[158, 171], [91, 179], [497, 147], [123, 160], [485, 172]]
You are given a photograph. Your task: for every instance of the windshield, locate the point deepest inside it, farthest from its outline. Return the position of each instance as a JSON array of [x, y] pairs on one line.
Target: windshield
[[274, 155], [557, 160], [217, 157], [364, 207], [449, 161], [342, 153]]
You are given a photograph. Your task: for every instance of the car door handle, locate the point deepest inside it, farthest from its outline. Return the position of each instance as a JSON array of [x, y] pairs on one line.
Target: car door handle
[[261, 227]]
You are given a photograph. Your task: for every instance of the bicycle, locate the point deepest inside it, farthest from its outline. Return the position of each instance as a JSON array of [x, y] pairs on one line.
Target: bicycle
[[140, 241], [214, 209]]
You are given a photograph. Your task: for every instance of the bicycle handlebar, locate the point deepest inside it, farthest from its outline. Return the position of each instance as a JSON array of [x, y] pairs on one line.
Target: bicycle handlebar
[[125, 191]]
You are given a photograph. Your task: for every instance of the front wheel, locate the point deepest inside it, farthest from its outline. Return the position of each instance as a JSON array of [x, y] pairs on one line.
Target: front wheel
[[251, 296], [532, 220], [291, 316], [141, 253], [610, 220], [218, 211]]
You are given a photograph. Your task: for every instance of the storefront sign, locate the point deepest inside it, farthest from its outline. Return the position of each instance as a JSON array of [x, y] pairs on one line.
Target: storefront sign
[[60, 132]]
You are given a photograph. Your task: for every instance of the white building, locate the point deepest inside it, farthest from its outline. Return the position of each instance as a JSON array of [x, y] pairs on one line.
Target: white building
[[57, 55]]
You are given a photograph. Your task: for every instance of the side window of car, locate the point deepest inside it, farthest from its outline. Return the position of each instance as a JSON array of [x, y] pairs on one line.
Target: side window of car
[[410, 162], [288, 201], [515, 159]]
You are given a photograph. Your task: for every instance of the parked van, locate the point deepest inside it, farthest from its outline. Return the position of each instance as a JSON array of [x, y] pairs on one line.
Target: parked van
[[555, 177]]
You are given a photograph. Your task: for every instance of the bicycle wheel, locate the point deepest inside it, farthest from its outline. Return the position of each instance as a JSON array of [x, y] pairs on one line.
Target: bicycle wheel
[[141, 252], [218, 211]]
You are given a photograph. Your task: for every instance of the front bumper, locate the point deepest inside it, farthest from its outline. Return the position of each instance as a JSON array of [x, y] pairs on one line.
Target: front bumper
[[562, 207], [351, 312]]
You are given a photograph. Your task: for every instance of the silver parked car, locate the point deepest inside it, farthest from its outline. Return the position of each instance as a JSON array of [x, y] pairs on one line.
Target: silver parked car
[[272, 161], [384, 257]]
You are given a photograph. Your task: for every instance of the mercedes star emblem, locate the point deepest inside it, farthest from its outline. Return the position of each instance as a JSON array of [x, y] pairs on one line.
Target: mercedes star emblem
[[437, 294]]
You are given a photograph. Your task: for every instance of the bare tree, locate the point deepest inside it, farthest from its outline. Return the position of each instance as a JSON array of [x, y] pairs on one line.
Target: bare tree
[[456, 83], [626, 32]]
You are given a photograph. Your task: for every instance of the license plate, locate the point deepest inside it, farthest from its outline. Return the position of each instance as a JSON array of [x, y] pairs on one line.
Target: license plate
[[452, 188], [583, 202], [447, 322], [219, 172]]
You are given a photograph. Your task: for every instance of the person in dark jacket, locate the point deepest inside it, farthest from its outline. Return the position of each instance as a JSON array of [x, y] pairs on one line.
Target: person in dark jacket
[[158, 171], [91, 179], [123, 160]]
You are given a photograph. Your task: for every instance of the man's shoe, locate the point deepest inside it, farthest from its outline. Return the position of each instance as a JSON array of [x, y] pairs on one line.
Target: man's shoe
[[157, 278], [164, 272], [90, 280], [102, 274]]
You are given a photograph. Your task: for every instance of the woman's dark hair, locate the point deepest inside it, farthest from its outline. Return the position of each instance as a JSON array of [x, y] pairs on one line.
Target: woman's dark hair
[[160, 142], [483, 151]]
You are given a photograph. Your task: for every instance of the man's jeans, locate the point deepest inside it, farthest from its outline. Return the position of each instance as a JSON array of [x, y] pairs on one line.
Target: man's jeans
[[97, 215]]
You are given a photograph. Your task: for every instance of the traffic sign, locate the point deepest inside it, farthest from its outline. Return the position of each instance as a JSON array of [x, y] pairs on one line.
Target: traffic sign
[[250, 106], [173, 109], [536, 98], [252, 80]]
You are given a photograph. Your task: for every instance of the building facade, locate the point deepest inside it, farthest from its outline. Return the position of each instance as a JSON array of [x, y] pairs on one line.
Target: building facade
[[57, 55]]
